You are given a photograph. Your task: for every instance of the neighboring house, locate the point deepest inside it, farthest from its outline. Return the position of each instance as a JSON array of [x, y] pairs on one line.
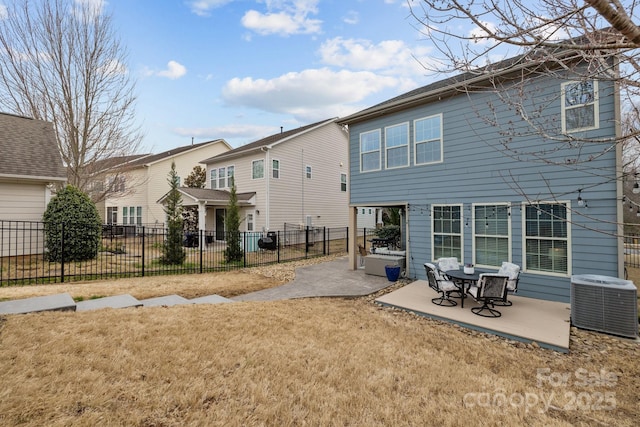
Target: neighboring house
[[296, 177], [142, 180], [475, 181], [369, 217], [30, 167]]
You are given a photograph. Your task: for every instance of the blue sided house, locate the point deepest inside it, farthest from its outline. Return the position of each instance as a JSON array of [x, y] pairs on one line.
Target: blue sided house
[[515, 162]]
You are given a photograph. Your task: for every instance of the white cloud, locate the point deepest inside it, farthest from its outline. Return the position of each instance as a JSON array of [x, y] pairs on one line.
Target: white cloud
[[309, 95], [89, 9], [174, 71], [204, 7], [114, 67], [227, 132], [351, 18], [390, 57], [284, 17]]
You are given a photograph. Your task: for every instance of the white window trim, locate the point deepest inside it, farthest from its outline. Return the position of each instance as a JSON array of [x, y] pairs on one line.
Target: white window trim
[[253, 162], [431, 219], [596, 108], [253, 221], [272, 168], [228, 176], [567, 204], [345, 182], [222, 177], [415, 142], [211, 179], [308, 172], [379, 150], [387, 148], [473, 232]]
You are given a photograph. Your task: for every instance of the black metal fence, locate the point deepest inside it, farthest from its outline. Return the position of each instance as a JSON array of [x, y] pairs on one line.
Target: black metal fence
[[632, 251], [132, 251]]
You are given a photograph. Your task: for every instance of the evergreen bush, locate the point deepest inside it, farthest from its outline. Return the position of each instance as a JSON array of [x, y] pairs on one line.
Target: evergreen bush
[[72, 225]]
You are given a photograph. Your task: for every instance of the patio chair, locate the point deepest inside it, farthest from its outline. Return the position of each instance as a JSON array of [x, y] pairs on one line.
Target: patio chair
[[512, 271], [441, 285], [491, 288]]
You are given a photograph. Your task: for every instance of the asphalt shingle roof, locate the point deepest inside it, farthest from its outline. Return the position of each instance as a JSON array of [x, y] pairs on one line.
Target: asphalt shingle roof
[[28, 148], [269, 140]]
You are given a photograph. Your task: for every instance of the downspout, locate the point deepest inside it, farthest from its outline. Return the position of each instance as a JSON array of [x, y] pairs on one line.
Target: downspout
[[619, 171], [267, 185]]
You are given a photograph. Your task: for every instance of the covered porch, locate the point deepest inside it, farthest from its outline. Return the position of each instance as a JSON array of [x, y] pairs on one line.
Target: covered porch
[[210, 207], [546, 323]]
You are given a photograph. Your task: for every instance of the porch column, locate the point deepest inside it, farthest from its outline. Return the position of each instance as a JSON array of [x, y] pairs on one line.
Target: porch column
[[202, 215], [353, 238]]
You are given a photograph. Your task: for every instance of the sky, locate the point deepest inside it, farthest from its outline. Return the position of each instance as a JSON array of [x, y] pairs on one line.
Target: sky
[[240, 69]]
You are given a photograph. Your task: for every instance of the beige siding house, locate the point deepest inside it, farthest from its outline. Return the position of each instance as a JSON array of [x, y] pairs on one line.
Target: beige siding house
[[296, 177], [30, 167], [143, 181]]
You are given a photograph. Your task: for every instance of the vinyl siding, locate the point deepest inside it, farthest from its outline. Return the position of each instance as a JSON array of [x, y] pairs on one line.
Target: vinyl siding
[[21, 202], [290, 198], [150, 183], [477, 168]]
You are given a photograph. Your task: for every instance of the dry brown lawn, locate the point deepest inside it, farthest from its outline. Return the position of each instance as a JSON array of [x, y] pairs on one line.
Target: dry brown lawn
[[316, 362]]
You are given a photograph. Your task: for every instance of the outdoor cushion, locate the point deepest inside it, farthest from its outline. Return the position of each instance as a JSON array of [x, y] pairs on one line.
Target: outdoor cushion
[[511, 271], [445, 264]]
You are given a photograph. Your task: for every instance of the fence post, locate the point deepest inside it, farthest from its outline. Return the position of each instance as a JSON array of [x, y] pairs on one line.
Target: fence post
[[62, 252], [278, 245], [143, 242], [244, 251], [325, 237], [201, 244]]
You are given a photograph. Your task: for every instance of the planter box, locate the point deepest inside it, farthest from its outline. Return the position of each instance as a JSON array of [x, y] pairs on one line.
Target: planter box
[[374, 264]]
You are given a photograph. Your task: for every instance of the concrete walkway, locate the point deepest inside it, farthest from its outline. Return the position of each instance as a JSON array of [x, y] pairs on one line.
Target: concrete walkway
[[326, 279]]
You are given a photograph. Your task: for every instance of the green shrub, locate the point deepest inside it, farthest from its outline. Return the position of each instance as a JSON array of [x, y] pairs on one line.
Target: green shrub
[[72, 226]]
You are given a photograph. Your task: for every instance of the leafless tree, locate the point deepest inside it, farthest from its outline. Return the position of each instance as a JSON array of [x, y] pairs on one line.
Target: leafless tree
[[61, 61], [477, 36]]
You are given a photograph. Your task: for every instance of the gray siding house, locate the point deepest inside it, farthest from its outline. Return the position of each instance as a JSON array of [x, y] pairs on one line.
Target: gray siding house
[[487, 179]]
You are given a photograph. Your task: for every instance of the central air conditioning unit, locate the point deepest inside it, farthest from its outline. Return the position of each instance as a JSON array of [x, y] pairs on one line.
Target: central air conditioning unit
[[604, 304]]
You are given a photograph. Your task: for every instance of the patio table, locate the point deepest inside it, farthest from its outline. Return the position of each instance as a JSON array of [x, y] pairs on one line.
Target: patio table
[[461, 279]]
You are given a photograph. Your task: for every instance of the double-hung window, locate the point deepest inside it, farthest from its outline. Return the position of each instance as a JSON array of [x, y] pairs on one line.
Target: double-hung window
[[447, 231], [428, 140], [370, 151], [222, 177], [257, 169], [214, 178], [230, 175], [491, 237], [580, 109], [343, 182], [308, 172], [275, 168], [546, 234], [396, 140]]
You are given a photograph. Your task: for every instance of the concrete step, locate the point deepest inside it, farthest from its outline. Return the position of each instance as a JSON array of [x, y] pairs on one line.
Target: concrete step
[[168, 300], [56, 302], [117, 301], [210, 299]]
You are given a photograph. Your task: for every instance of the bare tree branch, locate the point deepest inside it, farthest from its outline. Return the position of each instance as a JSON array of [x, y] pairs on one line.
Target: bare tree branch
[[61, 61]]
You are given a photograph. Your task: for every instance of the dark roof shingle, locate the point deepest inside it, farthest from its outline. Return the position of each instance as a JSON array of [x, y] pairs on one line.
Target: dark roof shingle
[[29, 149]]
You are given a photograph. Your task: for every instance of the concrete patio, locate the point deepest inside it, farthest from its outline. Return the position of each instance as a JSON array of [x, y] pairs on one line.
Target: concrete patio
[[528, 320]]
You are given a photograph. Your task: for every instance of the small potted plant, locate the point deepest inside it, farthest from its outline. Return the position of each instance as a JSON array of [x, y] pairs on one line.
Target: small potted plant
[[468, 269]]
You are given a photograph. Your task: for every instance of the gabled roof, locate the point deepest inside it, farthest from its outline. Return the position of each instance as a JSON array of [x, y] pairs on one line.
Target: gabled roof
[[28, 149], [470, 80], [207, 195], [268, 141], [153, 158]]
